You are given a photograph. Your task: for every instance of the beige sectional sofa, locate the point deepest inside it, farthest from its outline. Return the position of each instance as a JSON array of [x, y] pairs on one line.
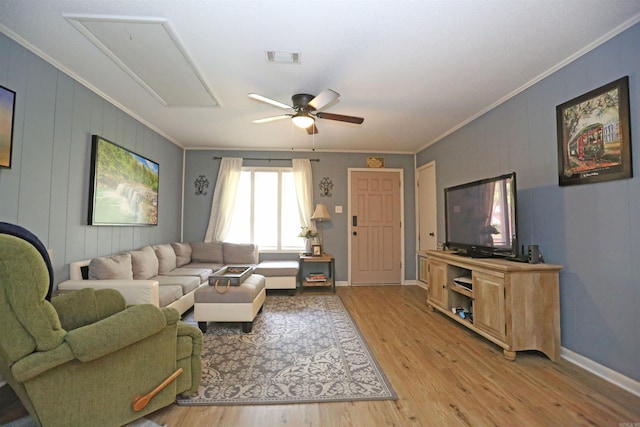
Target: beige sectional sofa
[[168, 275]]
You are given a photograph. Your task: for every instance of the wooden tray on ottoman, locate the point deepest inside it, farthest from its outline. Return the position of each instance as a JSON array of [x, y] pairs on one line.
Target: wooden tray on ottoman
[[233, 276]]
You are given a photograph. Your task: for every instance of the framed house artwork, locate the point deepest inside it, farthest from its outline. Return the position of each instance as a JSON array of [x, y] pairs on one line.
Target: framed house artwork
[[316, 250], [7, 113], [594, 138]]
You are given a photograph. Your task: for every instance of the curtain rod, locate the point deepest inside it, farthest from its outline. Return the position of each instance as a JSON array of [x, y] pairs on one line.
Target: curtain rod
[[252, 158]]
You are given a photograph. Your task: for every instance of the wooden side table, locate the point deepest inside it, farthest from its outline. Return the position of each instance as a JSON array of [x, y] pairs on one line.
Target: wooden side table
[[317, 264]]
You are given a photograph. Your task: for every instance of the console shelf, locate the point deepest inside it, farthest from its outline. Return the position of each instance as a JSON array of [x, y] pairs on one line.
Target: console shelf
[[514, 305]]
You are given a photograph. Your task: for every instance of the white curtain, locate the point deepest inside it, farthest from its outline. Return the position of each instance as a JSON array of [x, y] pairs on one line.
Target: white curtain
[[224, 198], [304, 190]]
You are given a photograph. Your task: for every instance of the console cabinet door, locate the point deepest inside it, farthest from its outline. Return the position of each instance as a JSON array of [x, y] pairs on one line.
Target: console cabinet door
[[489, 304], [423, 270], [438, 283]]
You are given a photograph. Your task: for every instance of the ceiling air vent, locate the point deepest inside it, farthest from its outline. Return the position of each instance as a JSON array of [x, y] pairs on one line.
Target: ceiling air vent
[[280, 57]]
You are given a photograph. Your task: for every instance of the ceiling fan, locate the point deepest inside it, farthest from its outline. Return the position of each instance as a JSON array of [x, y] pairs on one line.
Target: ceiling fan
[[305, 110]]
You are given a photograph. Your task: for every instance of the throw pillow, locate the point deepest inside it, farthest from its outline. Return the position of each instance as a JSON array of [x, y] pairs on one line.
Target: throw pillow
[[166, 258], [207, 252], [144, 263], [183, 253], [240, 253], [111, 267]]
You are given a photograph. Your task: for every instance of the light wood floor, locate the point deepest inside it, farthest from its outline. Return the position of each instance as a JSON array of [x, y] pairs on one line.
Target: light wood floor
[[444, 375]]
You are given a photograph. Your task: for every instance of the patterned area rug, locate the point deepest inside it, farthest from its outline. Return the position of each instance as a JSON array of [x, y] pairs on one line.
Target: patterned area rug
[[302, 349]]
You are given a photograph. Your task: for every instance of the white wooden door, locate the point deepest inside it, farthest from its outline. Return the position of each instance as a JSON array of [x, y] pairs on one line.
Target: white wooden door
[[376, 226], [426, 195]]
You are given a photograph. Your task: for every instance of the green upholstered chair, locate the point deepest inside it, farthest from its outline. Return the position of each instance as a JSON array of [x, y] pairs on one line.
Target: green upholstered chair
[[80, 359]]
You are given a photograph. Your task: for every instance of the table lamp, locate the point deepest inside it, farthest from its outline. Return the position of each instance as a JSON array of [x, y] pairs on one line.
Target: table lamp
[[321, 213]]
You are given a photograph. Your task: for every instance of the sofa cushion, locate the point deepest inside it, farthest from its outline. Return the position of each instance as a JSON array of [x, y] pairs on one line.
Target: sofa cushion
[[183, 253], [111, 268], [202, 273], [207, 252], [166, 258], [144, 263], [213, 266], [186, 283], [239, 253], [169, 294]]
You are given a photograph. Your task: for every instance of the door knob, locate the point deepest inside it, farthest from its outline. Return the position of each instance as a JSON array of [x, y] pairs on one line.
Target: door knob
[[432, 234]]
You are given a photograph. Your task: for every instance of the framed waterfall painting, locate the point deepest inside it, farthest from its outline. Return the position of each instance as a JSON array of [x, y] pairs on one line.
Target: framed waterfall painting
[[124, 186], [7, 112], [594, 137]]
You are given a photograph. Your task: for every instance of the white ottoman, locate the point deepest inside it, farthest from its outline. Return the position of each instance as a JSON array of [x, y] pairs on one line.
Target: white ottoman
[[239, 304], [279, 274]]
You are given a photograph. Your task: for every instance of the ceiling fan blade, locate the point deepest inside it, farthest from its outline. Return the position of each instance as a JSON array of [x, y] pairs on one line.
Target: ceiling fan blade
[[340, 118], [272, 119], [312, 129], [324, 98], [270, 101]]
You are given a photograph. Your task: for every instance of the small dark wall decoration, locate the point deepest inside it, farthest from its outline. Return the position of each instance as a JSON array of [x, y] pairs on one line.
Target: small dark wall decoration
[[201, 183], [326, 186]]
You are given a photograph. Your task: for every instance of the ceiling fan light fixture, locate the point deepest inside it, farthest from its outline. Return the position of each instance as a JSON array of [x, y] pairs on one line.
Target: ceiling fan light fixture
[[303, 119]]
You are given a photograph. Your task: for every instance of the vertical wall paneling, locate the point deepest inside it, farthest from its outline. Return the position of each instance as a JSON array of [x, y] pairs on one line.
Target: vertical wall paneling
[[78, 179], [59, 187], [47, 188], [35, 171]]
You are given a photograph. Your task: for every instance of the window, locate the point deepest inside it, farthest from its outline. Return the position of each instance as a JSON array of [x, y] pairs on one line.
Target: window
[[266, 210], [500, 215]]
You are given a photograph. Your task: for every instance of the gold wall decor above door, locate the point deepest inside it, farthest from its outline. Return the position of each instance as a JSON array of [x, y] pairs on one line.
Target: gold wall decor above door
[[375, 162]]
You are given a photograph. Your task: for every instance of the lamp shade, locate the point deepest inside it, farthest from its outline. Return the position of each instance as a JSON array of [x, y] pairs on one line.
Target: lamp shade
[[321, 213]]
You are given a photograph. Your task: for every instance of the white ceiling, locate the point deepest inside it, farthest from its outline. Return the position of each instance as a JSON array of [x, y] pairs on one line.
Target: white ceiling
[[415, 70]]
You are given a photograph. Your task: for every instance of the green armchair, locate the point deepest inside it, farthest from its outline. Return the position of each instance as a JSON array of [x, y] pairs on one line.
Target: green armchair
[[80, 359]]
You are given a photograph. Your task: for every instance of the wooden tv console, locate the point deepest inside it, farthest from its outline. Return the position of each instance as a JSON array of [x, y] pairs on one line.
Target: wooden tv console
[[515, 305]]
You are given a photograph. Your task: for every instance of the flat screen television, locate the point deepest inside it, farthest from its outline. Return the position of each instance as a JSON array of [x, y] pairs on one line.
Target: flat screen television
[[481, 217]]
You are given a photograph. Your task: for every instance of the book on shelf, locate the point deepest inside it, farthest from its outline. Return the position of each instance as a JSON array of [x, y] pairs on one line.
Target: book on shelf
[[316, 277]]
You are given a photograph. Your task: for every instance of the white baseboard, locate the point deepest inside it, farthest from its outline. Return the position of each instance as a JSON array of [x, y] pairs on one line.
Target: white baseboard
[[406, 283], [616, 378]]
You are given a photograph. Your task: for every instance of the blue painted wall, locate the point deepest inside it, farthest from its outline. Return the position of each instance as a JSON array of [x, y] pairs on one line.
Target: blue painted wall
[[332, 165], [47, 188], [592, 230]]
